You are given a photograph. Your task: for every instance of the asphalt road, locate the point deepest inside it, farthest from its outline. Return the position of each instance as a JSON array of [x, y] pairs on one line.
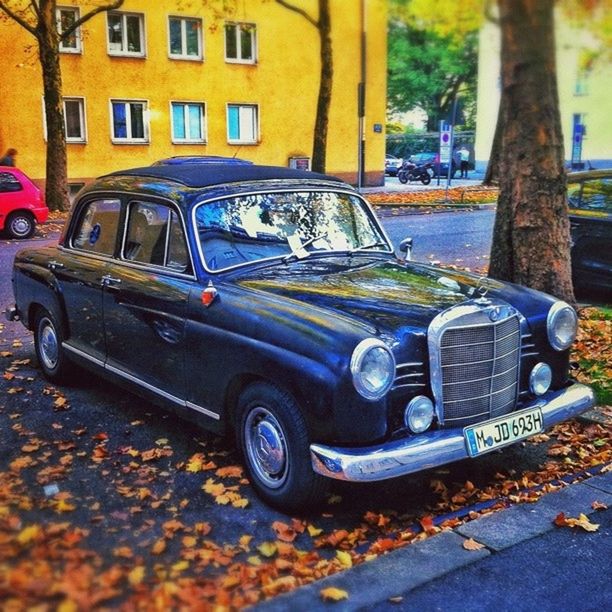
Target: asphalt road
[[65, 444], [456, 238]]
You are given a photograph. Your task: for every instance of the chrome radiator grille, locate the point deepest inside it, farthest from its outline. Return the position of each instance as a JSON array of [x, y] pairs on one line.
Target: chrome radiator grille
[[478, 367]]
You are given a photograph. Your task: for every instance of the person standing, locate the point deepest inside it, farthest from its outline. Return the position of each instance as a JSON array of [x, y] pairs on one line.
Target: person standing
[[464, 156], [9, 158]]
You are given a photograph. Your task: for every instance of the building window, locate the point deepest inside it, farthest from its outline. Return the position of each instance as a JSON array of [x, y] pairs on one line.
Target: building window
[[242, 123], [129, 121], [185, 38], [74, 120], [67, 17], [125, 34], [188, 122], [240, 43]]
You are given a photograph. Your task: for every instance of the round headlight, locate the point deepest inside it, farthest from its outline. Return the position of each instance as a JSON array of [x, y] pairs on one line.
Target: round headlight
[[373, 368], [561, 325], [419, 414], [540, 378]]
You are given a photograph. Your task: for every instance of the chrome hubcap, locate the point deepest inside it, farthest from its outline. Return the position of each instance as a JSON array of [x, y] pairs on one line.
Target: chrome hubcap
[[266, 447], [49, 347], [20, 225]]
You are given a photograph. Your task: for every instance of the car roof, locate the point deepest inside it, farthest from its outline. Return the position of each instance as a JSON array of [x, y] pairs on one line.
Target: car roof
[[210, 174], [200, 159]]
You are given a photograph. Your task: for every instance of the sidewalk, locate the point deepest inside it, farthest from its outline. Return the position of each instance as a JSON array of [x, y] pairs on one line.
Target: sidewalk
[[527, 563]]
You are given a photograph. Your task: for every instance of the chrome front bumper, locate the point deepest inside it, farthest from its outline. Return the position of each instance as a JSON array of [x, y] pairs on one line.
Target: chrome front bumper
[[428, 450]]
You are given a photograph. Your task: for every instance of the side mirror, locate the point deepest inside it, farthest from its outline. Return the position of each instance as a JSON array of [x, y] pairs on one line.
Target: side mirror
[[405, 247]]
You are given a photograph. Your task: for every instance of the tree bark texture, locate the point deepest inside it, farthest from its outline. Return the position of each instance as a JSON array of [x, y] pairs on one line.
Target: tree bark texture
[[56, 188], [531, 240], [319, 144]]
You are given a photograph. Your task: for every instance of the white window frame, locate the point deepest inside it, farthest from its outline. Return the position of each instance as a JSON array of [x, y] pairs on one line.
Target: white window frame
[[240, 140], [184, 55], [83, 119], [188, 140], [124, 52], [129, 139], [253, 32], [77, 33]]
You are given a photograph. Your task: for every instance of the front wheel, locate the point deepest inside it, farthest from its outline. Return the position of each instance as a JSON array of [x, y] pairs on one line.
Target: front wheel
[[48, 338], [403, 177], [273, 437], [20, 225]]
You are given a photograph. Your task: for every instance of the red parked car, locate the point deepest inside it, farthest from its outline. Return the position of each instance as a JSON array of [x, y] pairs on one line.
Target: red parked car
[[21, 203]]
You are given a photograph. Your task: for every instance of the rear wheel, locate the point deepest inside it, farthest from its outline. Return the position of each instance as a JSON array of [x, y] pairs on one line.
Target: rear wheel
[[48, 337], [273, 438], [425, 178], [20, 225]]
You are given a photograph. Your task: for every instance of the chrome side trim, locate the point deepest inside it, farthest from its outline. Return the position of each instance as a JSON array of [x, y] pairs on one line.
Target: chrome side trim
[[208, 413], [142, 383], [82, 354], [434, 448]]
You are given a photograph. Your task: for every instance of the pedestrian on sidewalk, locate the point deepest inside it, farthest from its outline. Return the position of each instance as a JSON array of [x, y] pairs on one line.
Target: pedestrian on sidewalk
[[9, 158], [464, 156]]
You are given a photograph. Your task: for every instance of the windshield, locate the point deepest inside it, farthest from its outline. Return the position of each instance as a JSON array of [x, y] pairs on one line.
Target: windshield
[[291, 225]]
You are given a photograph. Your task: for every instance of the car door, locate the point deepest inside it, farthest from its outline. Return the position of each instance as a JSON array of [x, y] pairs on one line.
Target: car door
[[591, 223], [145, 298], [80, 268]]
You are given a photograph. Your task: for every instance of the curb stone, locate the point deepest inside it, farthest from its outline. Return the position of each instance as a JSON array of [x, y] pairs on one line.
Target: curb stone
[[407, 568]]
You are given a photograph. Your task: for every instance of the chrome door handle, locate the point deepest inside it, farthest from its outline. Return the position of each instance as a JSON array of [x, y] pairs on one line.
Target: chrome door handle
[[108, 280], [55, 265]]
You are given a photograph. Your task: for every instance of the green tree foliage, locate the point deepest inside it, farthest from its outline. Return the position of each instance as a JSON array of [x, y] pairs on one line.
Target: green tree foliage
[[428, 69]]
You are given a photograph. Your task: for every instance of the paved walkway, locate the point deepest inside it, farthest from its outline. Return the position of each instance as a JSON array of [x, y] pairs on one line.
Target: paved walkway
[[527, 563]]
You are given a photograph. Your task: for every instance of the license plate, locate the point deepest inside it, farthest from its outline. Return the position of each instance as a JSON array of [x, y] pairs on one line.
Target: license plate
[[502, 431]]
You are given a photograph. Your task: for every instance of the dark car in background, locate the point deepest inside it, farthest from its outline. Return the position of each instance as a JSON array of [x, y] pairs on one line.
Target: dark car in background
[[437, 168], [590, 212], [268, 302]]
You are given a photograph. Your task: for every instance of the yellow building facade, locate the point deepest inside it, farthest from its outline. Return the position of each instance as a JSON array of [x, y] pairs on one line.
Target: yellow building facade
[[584, 92], [170, 77]]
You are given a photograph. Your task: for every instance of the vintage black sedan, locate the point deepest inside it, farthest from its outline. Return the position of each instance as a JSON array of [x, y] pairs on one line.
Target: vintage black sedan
[[269, 302]]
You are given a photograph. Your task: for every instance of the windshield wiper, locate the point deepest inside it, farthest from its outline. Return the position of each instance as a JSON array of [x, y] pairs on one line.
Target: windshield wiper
[[300, 252], [368, 246]]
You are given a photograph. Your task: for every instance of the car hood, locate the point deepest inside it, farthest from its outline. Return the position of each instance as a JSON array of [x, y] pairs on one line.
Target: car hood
[[381, 292]]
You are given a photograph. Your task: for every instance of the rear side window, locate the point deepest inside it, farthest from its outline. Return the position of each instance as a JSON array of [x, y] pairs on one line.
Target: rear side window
[[155, 236], [595, 195], [9, 183], [96, 228]]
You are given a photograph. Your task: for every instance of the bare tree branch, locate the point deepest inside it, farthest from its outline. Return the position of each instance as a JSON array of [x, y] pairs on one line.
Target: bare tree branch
[[100, 9], [20, 20], [300, 11]]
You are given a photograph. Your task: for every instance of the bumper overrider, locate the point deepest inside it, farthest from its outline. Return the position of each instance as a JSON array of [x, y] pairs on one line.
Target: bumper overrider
[[431, 449]]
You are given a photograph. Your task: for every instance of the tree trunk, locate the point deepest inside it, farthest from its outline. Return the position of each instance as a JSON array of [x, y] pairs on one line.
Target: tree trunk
[[319, 145], [56, 190], [531, 241]]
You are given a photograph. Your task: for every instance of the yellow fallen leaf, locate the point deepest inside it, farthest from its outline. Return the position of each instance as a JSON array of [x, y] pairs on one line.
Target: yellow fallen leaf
[[254, 560], [345, 558], [314, 531], [267, 549], [159, 547], [333, 594], [472, 544], [136, 576], [28, 534], [583, 521]]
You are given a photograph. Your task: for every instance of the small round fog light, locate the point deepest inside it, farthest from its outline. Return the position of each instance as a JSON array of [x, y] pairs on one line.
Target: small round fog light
[[540, 378], [419, 413]]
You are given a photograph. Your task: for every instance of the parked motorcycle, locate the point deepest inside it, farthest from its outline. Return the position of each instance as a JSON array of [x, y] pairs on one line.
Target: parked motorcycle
[[413, 172]]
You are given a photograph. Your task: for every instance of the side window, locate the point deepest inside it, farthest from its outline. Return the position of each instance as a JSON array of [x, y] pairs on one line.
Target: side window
[[597, 195], [96, 227], [155, 236], [9, 183]]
